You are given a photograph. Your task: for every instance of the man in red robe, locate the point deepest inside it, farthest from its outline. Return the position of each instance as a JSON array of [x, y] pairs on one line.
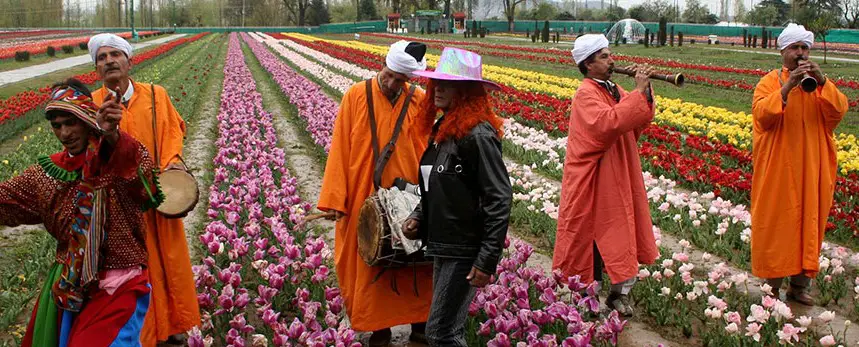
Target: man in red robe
[[794, 157], [604, 218]]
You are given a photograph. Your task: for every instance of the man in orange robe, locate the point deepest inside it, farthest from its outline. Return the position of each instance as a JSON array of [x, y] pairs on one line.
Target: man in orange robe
[[174, 309], [794, 159], [372, 304], [604, 218]]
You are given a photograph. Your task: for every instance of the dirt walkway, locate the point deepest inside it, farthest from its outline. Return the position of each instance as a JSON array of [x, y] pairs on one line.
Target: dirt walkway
[[199, 151]]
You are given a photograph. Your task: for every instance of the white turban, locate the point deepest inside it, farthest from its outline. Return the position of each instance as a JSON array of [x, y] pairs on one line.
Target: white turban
[[794, 33], [108, 40], [400, 61], [588, 44]]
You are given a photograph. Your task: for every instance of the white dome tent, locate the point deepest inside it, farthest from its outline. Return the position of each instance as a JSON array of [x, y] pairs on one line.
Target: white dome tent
[[630, 29]]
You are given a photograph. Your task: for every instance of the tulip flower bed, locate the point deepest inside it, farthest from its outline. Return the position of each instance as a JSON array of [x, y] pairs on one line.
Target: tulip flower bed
[[315, 108], [260, 262], [22, 110], [563, 56], [169, 67], [340, 65], [329, 78], [717, 123], [524, 305], [722, 309], [10, 35], [712, 75], [699, 164], [40, 47], [37, 38]]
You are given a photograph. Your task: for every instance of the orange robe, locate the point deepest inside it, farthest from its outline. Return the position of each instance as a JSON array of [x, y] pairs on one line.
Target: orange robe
[[174, 308], [603, 198], [348, 182], [794, 159]]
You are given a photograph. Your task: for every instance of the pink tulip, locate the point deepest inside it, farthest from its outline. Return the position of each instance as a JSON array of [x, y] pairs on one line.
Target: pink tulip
[[577, 340], [243, 299], [788, 333], [827, 340], [280, 340], [491, 310], [485, 328], [275, 281], [269, 317], [238, 322], [500, 340], [296, 329], [753, 331], [205, 300], [335, 305]]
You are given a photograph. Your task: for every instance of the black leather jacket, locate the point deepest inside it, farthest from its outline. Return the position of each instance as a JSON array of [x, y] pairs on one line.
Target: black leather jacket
[[466, 210]]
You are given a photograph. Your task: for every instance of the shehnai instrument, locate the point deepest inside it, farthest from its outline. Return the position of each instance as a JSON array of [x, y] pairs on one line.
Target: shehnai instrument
[[675, 79], [808, 83]]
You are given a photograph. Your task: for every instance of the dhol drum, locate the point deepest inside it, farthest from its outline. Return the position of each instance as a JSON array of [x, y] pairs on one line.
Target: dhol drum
[[380, 239], [180, 193]]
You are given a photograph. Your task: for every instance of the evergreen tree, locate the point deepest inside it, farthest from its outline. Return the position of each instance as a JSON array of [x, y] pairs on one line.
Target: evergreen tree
[[367, 10], [545, 33], [319, 13]]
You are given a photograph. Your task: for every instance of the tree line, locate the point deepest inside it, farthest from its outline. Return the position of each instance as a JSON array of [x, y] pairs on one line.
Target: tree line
[[189, 13]]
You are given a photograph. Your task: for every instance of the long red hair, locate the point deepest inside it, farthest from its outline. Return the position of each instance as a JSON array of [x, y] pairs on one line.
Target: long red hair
[[471, 105]]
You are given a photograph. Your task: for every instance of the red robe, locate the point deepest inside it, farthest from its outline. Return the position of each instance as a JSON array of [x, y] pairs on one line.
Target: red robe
[[603, 198]]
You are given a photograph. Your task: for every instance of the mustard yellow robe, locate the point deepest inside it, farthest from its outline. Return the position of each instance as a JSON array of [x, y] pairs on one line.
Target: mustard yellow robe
[[794, 160], [348, 181]]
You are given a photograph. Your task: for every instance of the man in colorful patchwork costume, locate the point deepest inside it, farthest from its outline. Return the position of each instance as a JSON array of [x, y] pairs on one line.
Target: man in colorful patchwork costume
[[90, 197]]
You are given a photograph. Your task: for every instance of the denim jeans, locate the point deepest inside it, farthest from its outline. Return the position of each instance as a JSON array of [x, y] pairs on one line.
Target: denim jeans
[[450, 299]]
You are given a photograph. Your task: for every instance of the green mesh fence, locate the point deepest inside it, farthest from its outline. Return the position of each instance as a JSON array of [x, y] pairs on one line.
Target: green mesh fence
[[519, 26]]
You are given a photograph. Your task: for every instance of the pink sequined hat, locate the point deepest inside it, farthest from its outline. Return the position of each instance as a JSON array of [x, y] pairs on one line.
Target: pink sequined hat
[[458, 65]]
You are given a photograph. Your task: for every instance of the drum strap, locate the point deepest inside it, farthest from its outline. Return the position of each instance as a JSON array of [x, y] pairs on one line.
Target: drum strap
[[380, 160], [155, 130]]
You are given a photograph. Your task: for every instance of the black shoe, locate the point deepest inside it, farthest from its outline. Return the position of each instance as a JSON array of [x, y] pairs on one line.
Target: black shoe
[[620, 303], [380, 338], [418, 333], [800, 295], [178, 339]]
